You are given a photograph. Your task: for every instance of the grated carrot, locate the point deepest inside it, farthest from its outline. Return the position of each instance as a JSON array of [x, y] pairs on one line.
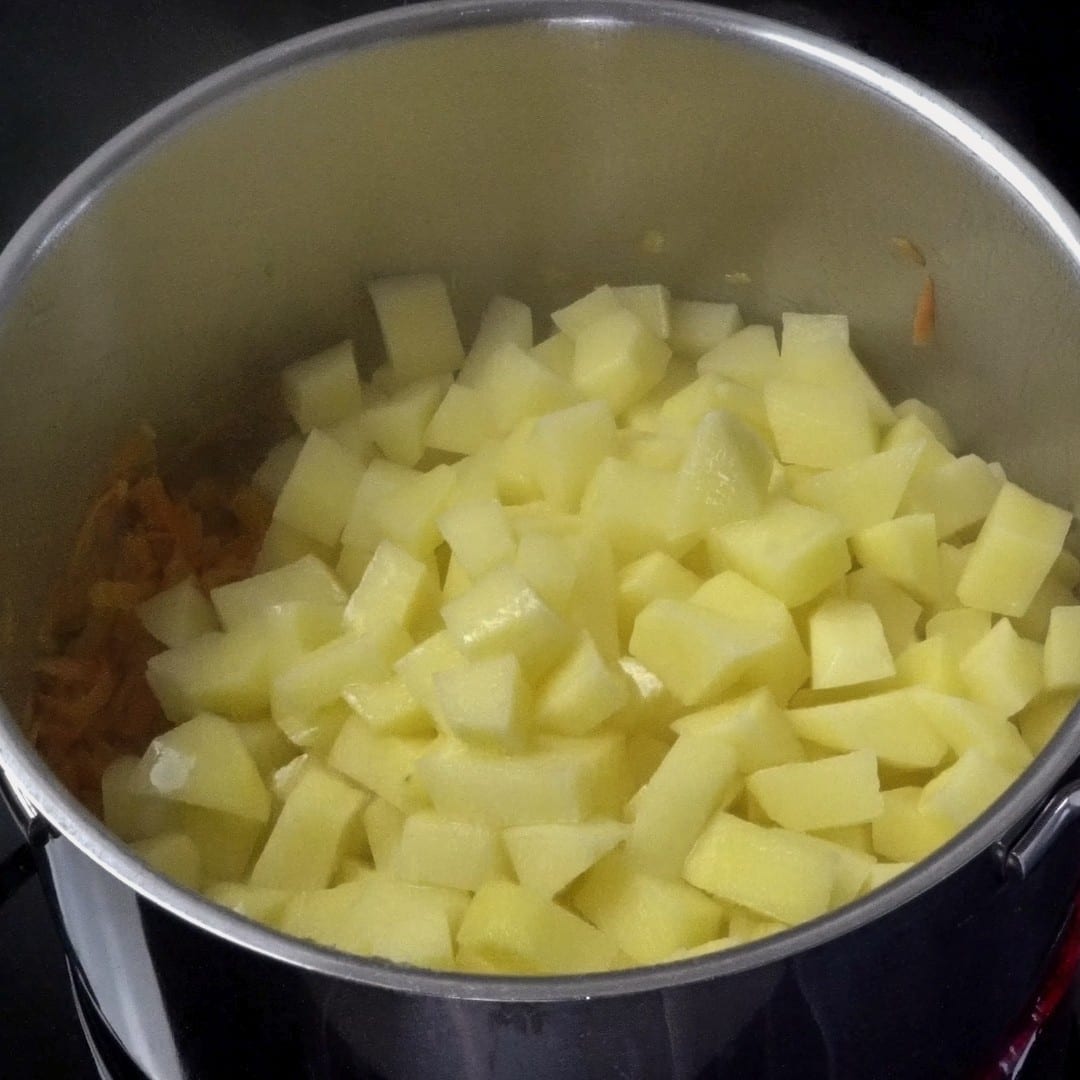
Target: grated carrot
[[91, 701]]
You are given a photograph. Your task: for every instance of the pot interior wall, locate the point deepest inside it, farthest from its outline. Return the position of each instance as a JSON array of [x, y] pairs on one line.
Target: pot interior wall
[[534, 160]]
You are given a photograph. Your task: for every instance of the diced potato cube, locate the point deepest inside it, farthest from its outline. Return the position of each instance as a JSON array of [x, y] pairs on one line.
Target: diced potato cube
[[282, 544], [696, 777], [960, 793], [436, 850], [224, 673], [269, 478], [503, 321], [649, 578], [650, 303], [178, 615], [318, 677], [546, 858], [863, 493], [930, 663], [898, 612], [633, 506], [1014, 551], [395, 587], [649, 917], [516, 466], [133, 814], [749, 356], [1052, 593], [905, 551], [815, 349], [755, 727], [575, 317], [1040, 721], [417, 324], [821, 426], [968, 725], [383, 825], [795, 552], [617, 358], [377, 916], [783, 668], [462, 423], [318, 495], [398, 425], [501, 613], [960, 627], [929, 416], [1061, 656], [770, 871], [724, 476], [650, 707], [1002, 669], [856, 837], [263, 905], [911, 429], [516, 385], [557, 353], [353, 434], [847, 645], [883, 872], [507, 922], [744, 927], [323, 388], [547, 563], [479, 535], [570, 443], [380, 477], [384, 764], [582, 691], [891, 725], [174, 855], [418, 668], [958, 493], [308, 580], [320, 820], [486, 702], [820, 794], [699, 325], [408, 515], [314, 731], [568, 783], [226, 843], [696, 652], [269, 749], [906, 831], [388, 708]]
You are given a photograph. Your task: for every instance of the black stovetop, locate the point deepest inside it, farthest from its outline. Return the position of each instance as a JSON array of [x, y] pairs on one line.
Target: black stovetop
[[73, 73]]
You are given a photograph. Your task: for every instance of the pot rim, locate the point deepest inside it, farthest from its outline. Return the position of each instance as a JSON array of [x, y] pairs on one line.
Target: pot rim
[[994, 157]]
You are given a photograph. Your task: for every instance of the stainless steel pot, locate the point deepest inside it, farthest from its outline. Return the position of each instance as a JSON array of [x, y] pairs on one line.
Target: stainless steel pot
[[531, 147]]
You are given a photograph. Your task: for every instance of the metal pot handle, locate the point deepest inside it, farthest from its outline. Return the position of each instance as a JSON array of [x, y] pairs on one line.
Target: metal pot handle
[[1062, 809]]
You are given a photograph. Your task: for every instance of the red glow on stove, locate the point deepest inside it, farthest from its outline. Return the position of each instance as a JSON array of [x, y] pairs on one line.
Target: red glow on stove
[[1063, 968]]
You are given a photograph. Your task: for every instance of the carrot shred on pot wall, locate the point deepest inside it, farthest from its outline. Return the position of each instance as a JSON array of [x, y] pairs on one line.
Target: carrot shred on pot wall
[[91, 702], [922, 330]]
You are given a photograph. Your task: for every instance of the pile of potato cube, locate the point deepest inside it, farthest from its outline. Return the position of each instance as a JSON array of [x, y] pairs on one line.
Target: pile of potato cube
[[640, 642]]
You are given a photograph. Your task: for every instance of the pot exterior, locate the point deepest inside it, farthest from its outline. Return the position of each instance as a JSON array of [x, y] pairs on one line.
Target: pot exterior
[[929, 989], [231, 232]]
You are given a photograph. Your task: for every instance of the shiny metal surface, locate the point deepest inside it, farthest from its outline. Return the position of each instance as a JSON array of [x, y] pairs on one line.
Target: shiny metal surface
[[527, 148], [1059, 815]]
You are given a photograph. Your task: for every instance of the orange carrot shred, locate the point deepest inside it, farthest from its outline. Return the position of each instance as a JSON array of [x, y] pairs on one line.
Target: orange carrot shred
[[922, 329]]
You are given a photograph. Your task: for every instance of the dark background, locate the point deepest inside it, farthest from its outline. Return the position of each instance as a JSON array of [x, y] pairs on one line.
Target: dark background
[[74, 72]]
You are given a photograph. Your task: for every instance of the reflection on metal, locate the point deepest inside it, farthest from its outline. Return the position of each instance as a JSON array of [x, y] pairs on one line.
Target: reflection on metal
[[1062, 811]]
